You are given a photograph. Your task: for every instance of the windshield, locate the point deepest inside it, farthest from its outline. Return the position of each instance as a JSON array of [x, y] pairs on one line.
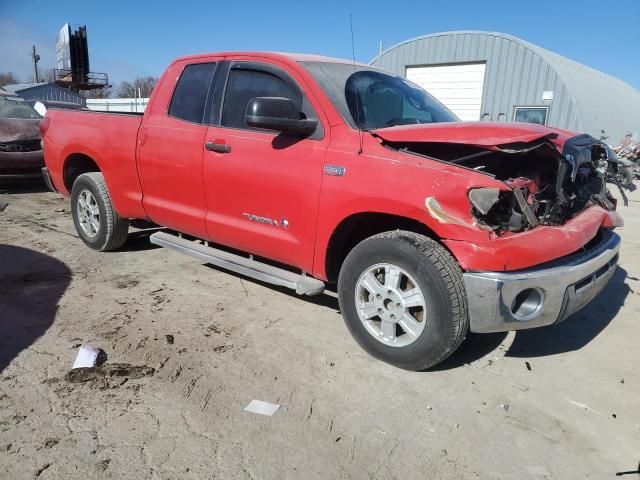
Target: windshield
[[368, 98], [11, 107]]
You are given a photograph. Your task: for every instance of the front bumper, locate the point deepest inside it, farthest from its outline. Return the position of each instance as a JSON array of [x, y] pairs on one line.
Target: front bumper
[[21, 164], [535, 297]]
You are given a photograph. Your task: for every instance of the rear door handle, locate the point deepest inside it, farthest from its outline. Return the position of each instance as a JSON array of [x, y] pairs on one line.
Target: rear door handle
[[142, 136], [218, 147]]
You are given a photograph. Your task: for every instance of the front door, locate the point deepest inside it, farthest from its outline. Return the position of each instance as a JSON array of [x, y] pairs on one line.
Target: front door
[[262, 188]]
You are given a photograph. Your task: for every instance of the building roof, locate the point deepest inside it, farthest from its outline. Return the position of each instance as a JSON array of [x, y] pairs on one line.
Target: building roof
[[18, 87], [6, 93], [50, 92], [594, 93]]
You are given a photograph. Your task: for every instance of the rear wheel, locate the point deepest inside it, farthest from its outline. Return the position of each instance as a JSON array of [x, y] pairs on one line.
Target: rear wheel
[[402, 297], [97, 223]]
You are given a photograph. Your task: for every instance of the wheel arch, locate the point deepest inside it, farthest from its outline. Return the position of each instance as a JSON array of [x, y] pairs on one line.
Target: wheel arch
[[357, 227], [75, 164]]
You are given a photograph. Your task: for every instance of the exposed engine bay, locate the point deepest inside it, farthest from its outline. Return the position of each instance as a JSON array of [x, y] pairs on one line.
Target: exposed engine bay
[[546, 187]]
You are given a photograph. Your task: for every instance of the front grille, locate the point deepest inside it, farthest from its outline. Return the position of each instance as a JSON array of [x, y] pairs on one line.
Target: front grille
[[22, 146], [590, 279]]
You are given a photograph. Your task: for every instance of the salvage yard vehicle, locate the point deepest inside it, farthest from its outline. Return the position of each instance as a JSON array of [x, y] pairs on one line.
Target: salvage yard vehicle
[[20, 149], [303, 171]]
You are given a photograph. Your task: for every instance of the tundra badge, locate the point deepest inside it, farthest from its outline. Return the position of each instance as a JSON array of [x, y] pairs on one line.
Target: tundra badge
[[335, 170], [284, 223]]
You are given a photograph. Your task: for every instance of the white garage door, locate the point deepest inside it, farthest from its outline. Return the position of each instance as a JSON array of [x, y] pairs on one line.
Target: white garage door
[[459, 87]]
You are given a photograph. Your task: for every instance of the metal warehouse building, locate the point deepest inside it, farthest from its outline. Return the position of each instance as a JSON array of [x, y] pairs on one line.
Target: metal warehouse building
[[496, 77], [49, 92]]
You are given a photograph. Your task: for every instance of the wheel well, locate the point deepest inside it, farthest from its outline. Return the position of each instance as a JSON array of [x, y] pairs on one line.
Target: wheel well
[[354, 229], [74, 166]]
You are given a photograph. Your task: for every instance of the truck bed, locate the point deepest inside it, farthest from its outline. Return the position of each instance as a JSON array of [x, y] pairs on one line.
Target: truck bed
[[112, 112], [109, 139]]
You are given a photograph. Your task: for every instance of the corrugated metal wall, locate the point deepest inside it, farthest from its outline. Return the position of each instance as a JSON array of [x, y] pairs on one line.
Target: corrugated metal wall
[[51, 93], [515, 75]]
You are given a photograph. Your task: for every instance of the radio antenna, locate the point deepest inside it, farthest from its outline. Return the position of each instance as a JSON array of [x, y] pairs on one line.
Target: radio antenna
[[353, 56]]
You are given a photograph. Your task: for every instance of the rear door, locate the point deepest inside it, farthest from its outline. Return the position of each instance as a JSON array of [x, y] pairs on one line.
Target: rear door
[[171, 146], [262, 188]]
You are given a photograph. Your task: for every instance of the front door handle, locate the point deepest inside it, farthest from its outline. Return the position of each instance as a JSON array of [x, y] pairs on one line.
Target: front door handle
[[218, 147]]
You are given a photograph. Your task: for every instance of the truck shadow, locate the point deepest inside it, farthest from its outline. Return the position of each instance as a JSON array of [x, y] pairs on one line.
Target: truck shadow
[[23, 186], [579, 329], [138, 240], [31, 285], [324, 299], [567, 336]]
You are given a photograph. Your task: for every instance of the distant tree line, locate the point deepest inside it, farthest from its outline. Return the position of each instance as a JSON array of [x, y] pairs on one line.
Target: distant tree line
[[141, 86], [8, 78]]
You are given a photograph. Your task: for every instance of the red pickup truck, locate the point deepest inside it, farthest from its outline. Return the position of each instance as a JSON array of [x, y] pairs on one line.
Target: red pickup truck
[[303, 171]]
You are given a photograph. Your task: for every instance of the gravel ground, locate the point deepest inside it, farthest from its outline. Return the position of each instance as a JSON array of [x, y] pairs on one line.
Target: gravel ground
[[555, 403]]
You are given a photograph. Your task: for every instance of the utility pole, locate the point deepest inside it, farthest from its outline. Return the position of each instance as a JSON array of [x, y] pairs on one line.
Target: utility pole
[[35, 58]]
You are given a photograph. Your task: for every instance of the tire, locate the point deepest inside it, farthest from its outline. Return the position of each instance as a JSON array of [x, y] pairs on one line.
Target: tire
[[112, 230], [437, 329]]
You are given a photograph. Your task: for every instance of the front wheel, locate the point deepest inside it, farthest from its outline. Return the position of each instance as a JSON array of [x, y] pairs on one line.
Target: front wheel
[[96, 221], [402, 297]]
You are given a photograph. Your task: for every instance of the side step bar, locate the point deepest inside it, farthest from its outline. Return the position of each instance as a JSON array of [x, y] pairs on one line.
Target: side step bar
[[302, 284]]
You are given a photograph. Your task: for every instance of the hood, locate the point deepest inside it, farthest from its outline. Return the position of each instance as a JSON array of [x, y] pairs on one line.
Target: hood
[[549, 175], [479, 134], [19, 129]]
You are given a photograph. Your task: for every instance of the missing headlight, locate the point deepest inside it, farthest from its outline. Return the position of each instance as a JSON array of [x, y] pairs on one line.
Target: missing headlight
[[483, 199], [494, 209]]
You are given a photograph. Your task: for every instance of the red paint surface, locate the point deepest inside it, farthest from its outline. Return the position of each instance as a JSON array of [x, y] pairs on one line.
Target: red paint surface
[[482, 134], [156, 168], [539, 245]]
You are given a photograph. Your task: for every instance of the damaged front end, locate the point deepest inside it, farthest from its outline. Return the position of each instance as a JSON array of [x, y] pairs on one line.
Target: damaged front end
[[543, 185]]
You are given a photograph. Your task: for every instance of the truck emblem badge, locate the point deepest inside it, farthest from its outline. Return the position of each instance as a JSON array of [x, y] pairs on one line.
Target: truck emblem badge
[[284, 223], [335, 170]]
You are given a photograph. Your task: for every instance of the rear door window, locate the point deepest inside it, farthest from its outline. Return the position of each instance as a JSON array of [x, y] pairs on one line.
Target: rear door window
[[190, 96]]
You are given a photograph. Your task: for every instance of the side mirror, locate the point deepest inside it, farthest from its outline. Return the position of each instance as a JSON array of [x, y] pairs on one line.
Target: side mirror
[[279, 114]]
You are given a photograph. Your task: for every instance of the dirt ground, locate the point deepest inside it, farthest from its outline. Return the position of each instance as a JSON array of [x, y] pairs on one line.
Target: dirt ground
[[556, 403]]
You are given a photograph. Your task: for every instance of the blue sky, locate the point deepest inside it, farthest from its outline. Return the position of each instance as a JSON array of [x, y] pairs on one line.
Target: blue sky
[[127, 39]]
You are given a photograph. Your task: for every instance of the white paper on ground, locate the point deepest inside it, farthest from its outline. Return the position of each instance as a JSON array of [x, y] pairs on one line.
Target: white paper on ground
[[87, 356], [262, 408]]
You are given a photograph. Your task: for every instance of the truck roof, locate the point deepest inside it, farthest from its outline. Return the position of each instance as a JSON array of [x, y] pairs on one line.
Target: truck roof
[[296, 57]]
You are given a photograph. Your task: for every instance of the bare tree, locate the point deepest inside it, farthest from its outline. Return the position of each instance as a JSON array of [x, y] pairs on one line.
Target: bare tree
[[98, 92], [8, 78], [46, 75], [130, 89]]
